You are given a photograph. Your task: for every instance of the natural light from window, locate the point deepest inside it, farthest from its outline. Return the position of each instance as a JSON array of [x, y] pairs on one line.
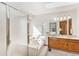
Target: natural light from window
[[36, 32]]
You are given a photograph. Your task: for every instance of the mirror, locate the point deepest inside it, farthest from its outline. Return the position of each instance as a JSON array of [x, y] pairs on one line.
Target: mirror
[[65, 27], [53, 28]]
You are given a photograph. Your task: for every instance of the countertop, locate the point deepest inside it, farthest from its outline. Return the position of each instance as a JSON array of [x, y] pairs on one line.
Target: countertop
[[66, 36]]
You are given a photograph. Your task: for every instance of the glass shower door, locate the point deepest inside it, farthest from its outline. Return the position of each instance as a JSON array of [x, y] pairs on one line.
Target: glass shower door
[[18, 33]]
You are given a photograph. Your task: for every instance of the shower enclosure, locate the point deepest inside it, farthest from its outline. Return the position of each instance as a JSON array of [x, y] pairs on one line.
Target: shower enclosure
[[13, 29], [15, 32]]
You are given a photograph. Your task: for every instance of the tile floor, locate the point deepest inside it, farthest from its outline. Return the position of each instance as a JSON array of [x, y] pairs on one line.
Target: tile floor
[[56, 52]]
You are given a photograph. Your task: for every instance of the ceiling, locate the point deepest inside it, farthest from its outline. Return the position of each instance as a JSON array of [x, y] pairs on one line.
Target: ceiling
[[38, 8]]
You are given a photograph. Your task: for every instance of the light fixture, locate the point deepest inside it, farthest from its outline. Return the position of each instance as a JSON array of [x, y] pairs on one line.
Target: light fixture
[[57, 18], [68, 17], [61, 18], [64, 18]]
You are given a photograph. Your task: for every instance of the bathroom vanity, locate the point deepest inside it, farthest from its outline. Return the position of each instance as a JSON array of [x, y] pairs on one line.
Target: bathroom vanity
[[67, 43]]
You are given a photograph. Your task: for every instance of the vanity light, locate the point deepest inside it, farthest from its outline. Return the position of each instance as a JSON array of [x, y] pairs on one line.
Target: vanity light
[[68, 17], [55, 19], [61, 18], [60, 29], [65, 18]]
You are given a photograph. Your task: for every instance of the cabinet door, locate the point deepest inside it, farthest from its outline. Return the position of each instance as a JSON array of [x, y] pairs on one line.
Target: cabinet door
[[73, 46], [49, 43], [63, 44], [76, 46], [53, 43]]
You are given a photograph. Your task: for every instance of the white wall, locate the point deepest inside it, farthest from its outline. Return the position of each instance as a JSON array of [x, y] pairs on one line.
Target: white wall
[[2, 30], [77, 23], [46, 18]]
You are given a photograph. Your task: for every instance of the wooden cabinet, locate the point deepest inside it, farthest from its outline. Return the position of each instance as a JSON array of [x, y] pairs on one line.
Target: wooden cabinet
[[53, 43], [63, 43]]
